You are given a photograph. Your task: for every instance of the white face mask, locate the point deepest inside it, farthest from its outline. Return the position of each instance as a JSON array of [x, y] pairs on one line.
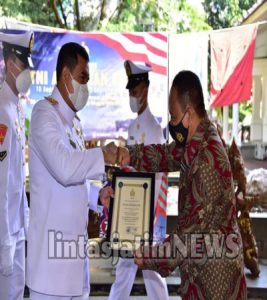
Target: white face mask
[[134, 104], [80, 94], [23, 80]]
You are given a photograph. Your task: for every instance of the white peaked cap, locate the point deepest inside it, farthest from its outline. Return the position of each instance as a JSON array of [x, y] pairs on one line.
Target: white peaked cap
[[22, 39], [136, 73], [19, 44], [138, 68]]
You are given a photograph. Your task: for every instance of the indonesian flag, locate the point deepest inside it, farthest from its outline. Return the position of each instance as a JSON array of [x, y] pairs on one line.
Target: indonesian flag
[[232, 53]]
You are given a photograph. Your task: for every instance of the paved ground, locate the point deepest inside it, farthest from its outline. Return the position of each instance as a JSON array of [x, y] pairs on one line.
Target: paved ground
[[102, 276], [255, 164], [146, 298]]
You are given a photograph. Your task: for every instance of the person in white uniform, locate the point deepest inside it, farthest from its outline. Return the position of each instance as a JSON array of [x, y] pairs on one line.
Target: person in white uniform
[[144, 129], [60, 167], [13, 202]]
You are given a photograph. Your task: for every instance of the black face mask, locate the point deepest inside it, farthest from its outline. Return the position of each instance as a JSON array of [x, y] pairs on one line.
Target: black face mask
[[179, 133]]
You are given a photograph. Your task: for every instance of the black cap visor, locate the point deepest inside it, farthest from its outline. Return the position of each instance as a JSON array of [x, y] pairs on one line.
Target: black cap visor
[[22, 53], [135, 79]]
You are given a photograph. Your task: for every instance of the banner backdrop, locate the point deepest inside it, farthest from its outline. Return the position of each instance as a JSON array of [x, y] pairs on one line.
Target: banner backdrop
[[107, 114], [189, 51]]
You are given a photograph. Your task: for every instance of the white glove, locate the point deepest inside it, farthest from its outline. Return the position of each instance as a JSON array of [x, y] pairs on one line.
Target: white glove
[[6, 260]]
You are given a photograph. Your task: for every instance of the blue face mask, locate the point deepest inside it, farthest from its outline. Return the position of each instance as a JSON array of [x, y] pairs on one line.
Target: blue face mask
[[179, 133]]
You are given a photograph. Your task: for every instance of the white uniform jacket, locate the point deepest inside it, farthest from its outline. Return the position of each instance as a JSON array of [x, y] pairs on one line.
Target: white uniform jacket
[[59, 168], [13, 202]]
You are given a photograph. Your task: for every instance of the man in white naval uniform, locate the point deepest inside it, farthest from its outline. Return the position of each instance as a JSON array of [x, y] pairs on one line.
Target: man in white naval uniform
[[13, 202], [144, 129], [60, 168]]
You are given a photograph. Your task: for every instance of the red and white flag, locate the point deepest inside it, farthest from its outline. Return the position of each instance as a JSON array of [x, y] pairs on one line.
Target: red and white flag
[[161, 203], [232, 54]]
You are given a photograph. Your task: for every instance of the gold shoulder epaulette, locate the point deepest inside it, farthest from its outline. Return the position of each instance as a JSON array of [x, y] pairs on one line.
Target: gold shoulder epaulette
[[51, 100]]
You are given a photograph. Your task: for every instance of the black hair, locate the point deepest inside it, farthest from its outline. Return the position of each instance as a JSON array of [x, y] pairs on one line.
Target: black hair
[[188, 87], [68, 56]]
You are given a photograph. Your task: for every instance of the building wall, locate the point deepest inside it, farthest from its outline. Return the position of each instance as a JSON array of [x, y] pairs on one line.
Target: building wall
[[259, 106]]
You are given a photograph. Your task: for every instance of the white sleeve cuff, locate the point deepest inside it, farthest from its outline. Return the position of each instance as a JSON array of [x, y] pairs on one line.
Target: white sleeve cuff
[[93, 194]]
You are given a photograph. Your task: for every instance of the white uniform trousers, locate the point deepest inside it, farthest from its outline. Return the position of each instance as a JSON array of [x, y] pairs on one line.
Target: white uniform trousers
[[12, 286], [126, 269], [86, 289]]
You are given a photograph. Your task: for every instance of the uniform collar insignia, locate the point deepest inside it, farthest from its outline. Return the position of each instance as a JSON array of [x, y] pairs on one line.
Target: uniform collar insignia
[[63, 108]]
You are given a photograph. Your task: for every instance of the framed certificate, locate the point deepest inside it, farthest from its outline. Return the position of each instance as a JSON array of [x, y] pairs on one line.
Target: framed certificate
[[131, 211]]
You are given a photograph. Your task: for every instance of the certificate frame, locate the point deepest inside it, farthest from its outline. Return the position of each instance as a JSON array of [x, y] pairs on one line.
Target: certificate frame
[[131, 211]]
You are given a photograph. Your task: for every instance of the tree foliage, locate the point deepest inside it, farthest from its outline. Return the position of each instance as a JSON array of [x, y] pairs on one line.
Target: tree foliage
[[34, 11], [127, 15], [108, 15], [153, 15], [225, 13]]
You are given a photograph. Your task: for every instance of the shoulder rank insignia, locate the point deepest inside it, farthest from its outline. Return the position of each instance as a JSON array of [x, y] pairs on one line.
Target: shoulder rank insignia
[[3, 155], [51, 100], [3, 131]]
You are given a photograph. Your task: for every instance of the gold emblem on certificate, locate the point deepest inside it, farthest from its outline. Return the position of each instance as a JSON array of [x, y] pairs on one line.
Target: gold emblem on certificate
[[131, 211]]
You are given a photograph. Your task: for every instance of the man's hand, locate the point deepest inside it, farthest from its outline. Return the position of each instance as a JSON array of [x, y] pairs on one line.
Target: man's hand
[[116, 155], [138, 258], [105, 195], [111, 147], [110, 153], [123, 157]]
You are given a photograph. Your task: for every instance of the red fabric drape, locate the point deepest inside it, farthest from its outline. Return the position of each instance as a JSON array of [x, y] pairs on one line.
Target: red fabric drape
[[232, 53]]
